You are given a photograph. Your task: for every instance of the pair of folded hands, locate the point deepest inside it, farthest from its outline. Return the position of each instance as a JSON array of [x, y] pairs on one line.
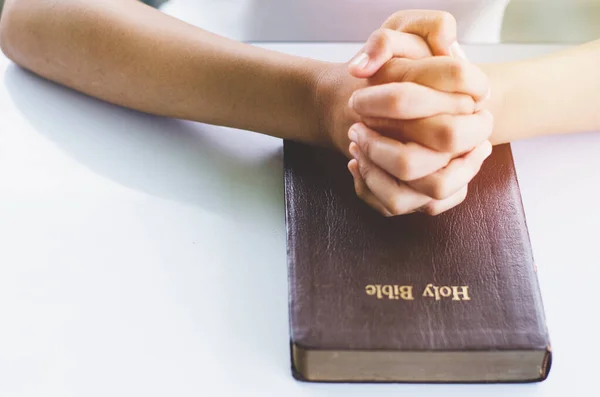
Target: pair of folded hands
[[415, 125]]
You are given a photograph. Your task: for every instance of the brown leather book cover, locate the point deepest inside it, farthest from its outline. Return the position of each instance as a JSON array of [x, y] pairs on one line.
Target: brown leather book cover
[[415, 298]]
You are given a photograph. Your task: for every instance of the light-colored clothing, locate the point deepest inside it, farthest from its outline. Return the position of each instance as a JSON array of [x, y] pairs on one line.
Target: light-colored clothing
[[331, 20]]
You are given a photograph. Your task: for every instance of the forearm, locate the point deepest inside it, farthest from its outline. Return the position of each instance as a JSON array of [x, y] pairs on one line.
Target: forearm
[[127, 53], [554, 94]]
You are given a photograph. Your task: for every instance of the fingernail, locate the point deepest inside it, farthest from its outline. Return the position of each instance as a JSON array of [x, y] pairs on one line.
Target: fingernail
[[354, 151], [457, 51], [360, 61], [481, 104], [488, 95], [351, 168], [353, 134], [489, 149], [351, 101]]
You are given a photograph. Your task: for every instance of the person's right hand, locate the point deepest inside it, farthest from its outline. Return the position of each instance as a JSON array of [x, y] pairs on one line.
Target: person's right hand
[[423, 134]]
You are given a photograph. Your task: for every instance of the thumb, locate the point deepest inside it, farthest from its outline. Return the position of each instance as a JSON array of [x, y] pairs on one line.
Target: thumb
[[383, 45]]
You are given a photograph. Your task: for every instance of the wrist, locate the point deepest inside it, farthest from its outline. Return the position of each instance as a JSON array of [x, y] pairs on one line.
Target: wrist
[[504, 105], [333, 89]]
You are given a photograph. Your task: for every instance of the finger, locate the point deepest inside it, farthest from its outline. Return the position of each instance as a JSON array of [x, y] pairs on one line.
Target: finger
[[449, 180], [438, 28], [436, 207], [446, 133], [405, 161], [383, 45], [441, 73], [397, 197], [363, 192], [408, 101]]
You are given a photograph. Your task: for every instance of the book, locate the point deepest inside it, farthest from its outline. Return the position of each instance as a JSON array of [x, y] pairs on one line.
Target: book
[[452, 298]]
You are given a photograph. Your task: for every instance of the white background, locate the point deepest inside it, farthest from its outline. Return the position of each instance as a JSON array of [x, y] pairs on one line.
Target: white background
[[145, 256]]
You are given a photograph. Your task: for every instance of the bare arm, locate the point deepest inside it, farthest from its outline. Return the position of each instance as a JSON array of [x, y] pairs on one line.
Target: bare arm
[[132, 55], [553, 94], [127, 53]]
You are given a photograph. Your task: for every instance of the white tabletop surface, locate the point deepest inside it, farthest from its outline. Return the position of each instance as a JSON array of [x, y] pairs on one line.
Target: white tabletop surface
[[142, 256]]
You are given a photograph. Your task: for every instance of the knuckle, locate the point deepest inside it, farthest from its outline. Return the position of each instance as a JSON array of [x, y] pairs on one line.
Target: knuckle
[[458, 72], [396, 18], [380, 39], [448, 137], [440, 189], [386, 213], [445, 20], [405, 168], [432, 209], [398, 207], [401, 99], [395, 211], [398, 101]]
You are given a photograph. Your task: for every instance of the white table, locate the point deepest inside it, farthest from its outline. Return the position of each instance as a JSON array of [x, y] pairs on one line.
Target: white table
[[142, 256]]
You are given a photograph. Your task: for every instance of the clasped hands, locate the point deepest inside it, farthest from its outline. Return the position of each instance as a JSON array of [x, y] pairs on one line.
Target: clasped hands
[[415, 127]]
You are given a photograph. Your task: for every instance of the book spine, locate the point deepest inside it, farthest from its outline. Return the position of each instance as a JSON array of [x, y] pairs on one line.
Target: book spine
[[290, 238]]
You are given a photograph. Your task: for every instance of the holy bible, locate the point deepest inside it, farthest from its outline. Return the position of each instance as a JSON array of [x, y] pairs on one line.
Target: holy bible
[[452, 298]]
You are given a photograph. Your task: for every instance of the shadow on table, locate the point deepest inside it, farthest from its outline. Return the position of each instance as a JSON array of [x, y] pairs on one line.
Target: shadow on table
[[188, 162], [212, 168]]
